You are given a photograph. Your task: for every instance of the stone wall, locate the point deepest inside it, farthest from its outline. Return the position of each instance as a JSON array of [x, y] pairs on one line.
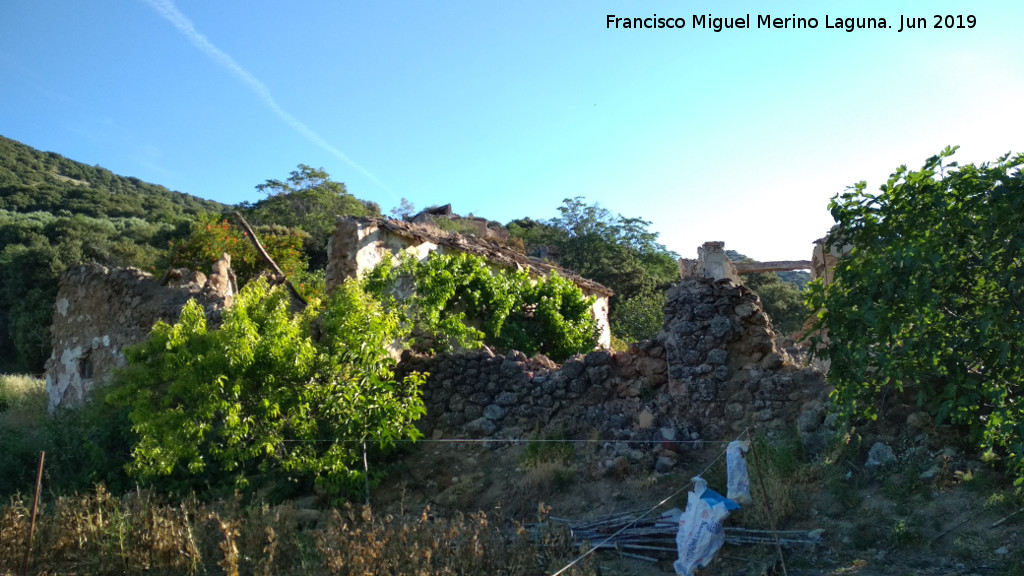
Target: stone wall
[[725, 366], [99, 311], [484, 394], [714, 371]]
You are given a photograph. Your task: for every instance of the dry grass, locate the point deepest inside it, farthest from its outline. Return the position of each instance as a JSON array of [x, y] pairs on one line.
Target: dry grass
[[102, 534], [22, 400]]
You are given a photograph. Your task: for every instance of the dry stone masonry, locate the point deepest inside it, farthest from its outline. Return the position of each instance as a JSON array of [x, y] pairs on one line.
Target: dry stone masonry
[[714, 371], [99, 311]]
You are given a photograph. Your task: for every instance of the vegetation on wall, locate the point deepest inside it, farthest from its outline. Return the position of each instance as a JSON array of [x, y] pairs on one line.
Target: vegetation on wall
[[621, 253], [55, 213], [930, 300], [461, 301]]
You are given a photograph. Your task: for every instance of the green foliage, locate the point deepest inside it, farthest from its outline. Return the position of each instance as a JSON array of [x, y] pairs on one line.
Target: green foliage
[[783, 301], [211, 237], [781, 294], [83, 446], [461, 301], [259, 393], [621, 253], [931, 297], [54, 213], [640, 317], [541, 449], [307, 200]]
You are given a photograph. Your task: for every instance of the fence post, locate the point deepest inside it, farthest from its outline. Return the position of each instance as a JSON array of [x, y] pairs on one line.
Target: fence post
[[35, 506]]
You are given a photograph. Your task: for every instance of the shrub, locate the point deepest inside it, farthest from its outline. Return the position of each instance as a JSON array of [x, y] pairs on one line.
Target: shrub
[[930, 297], [211, 237], [459, 300], [261, 394], [640, 317]]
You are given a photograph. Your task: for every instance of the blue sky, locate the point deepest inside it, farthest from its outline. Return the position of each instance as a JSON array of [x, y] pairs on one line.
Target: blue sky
[[505, 108]]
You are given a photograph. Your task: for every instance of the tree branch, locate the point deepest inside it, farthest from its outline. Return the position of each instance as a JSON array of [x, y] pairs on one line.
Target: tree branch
[[266, 257]]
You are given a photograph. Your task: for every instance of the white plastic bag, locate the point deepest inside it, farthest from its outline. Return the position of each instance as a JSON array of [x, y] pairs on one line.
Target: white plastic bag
[[700, 528], [736, 465]]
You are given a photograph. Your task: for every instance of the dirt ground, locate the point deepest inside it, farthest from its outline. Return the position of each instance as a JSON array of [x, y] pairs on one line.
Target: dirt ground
[[937, 510]]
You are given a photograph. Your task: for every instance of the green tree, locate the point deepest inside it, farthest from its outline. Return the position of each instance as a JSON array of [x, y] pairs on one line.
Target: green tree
[[310, 201], [783, 301], [930, 298], [54, 213], [621, 253], [260, 393], [212, 237]]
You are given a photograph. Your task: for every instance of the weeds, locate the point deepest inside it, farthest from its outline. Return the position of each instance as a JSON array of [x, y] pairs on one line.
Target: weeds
[[546, 465], [546, 449], [905, 534], [777, 470], [100, 534], [84, 446], [22, 400]]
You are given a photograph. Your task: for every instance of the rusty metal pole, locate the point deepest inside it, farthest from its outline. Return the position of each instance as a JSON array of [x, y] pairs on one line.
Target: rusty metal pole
[[35, 507]]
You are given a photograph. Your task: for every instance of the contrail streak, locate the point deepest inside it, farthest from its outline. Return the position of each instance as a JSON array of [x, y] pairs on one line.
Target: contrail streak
[[170, 12]]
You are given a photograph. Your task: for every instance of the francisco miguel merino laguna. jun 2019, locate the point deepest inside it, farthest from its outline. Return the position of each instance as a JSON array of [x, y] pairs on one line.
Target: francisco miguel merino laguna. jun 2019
[[794, 22]]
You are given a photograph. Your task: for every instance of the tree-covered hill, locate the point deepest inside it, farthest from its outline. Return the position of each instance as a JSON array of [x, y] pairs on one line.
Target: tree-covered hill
[[36, 181], [54, 213]]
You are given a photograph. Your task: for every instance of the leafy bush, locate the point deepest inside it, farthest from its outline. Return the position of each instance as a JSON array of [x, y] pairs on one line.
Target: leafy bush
[[212, 237], [459, 300], [640, 317], [621, 253], [260, 393], [931, 297], [782, 300]]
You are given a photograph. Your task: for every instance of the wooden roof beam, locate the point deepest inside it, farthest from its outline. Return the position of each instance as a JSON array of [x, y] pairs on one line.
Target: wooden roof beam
[[778, 266]]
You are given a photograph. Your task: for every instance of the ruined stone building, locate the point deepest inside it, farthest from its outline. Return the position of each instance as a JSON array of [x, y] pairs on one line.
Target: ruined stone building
[[359, 244], [715, 369], [100, 311]]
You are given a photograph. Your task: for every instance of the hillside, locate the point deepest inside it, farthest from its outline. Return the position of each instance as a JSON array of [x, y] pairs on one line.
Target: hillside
[[35, 181], [55, 212]]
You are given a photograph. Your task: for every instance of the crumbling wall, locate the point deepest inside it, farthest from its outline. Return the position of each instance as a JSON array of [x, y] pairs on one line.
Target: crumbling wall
[[100, 311], [713, 372], [484, 394], [712, 262], [825, 257], [724, 364]]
